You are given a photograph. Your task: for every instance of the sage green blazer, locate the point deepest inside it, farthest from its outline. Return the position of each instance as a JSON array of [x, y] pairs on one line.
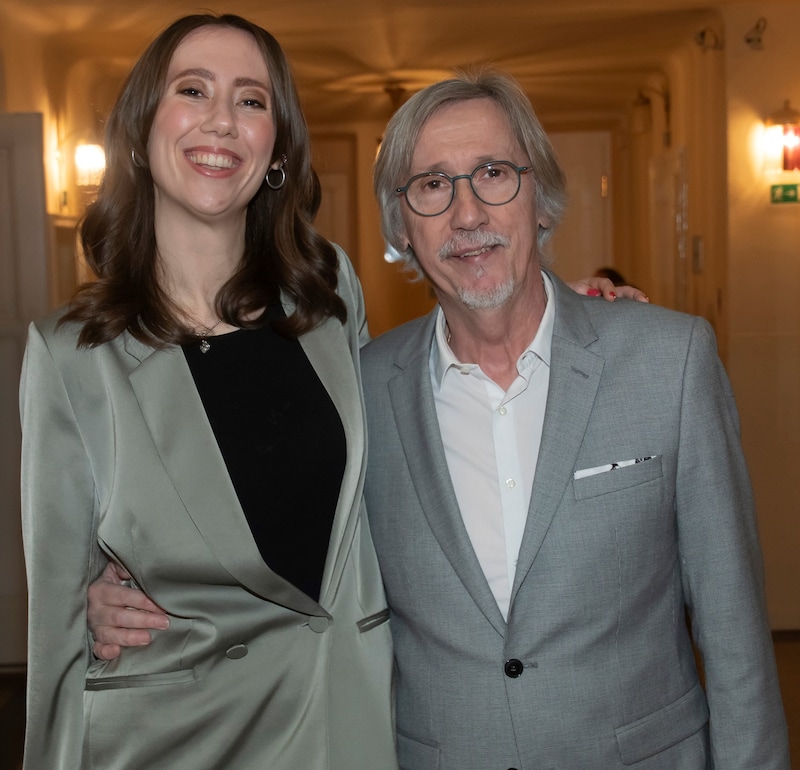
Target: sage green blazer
[[119, 461]]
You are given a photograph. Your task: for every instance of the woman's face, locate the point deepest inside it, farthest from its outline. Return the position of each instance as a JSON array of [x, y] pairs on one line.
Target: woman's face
[[213, 132]]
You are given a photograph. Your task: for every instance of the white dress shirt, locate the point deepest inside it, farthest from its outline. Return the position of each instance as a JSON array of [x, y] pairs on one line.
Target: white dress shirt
[[491, 442]]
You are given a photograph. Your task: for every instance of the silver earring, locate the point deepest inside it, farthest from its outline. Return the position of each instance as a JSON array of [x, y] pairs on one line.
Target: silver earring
[[281, 175], [135, 159]]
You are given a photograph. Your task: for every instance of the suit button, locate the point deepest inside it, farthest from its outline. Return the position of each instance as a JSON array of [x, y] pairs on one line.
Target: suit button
[[236, 652], [318, 623], [513, 668]]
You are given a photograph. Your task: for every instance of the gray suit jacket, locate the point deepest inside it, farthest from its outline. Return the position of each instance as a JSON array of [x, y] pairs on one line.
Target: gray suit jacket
[[594, 669], [119, 459]]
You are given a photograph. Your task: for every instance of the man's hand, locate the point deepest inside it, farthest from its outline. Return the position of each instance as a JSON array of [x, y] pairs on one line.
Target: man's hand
[[595, 286], [118, 615]]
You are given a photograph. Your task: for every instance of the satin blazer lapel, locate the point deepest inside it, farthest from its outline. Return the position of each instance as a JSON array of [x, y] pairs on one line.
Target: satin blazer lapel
[[328, 351], [176, 418], [574, 378], [414, 411]]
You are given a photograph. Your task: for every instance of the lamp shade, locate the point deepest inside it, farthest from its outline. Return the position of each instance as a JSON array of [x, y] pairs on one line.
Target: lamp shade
[[786, 123], [90, 162]]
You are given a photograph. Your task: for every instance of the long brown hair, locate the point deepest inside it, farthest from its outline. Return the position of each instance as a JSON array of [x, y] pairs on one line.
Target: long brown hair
[[282, 251]]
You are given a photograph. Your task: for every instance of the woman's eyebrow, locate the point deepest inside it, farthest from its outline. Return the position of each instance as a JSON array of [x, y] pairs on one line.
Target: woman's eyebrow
[[208, 75]]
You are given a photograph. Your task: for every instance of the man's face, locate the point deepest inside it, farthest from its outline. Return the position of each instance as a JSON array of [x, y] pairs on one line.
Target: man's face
[[474, 254]]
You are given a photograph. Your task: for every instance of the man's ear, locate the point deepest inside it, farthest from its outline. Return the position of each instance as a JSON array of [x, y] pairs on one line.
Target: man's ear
[[404, 240]]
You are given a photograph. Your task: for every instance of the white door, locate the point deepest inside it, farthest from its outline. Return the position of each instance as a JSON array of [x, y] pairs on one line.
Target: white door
[[23, 296]]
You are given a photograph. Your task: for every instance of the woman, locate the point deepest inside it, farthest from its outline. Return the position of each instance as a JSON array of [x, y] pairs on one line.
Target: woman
[[195, 417]]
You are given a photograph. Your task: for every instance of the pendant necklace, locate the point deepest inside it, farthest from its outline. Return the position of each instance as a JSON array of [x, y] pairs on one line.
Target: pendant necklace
[[205, 345]]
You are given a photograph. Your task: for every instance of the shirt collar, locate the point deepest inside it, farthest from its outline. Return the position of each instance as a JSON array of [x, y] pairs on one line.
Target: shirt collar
[[442, 357]]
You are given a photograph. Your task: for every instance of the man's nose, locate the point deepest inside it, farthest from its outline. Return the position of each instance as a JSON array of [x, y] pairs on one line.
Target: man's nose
[[467, 210]]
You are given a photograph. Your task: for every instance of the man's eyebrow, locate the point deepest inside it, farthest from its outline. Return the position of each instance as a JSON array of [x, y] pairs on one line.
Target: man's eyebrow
[[209, 75]]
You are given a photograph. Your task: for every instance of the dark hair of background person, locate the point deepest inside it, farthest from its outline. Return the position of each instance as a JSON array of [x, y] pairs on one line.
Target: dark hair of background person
[[613, 275], [282, 250]]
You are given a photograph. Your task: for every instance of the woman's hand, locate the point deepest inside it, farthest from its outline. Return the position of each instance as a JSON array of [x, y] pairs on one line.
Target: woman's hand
[[596, 287], [119, 616]]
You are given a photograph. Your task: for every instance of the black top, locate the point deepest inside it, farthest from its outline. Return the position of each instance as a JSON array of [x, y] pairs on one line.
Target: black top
[[282, 441]]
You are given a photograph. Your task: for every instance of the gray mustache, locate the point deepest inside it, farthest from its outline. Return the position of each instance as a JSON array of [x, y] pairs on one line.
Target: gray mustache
[[471, 241]]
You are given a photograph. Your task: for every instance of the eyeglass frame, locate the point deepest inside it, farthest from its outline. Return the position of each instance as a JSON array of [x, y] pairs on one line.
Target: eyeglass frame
[[452, 179]]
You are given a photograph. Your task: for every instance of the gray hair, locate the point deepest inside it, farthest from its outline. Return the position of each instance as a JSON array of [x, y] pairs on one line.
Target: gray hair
[[393, 164]]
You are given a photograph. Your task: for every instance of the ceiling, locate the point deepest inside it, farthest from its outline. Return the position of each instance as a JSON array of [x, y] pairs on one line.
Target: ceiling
[[571, 56]]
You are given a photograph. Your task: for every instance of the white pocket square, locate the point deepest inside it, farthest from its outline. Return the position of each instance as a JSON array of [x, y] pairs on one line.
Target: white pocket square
[[582, 474]]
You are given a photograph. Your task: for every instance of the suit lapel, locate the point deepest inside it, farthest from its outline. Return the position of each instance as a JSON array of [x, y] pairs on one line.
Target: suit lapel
[[328, 351], [176, 419], [414, 411], [574, 378]]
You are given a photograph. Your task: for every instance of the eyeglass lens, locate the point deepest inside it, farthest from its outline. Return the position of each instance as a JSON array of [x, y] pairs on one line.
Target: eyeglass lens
[[493, 183]]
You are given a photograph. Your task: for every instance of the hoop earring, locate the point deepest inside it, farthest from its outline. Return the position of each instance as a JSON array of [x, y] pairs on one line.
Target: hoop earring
[[276, 185], [135, 159]]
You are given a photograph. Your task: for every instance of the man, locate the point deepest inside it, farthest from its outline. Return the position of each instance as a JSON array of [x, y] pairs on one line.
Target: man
[[555, 483]]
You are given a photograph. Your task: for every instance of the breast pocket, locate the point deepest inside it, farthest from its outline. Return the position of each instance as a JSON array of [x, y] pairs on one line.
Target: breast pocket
[[610, 481]]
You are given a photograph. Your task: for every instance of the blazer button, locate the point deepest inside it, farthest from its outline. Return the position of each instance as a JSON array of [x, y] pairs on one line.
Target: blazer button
[[236, 652], [513, 668], [318, 623]]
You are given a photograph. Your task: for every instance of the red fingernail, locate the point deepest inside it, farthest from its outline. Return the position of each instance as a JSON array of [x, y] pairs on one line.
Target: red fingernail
[[593, 292], [613, 295]]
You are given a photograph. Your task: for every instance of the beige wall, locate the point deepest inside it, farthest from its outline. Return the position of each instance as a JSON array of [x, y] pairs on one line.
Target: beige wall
[[24, 88], [764, 291], [390, 296]]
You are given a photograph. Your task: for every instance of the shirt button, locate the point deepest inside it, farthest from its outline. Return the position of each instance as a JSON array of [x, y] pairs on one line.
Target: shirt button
[[513, 668], [510, 483], [503, 411]]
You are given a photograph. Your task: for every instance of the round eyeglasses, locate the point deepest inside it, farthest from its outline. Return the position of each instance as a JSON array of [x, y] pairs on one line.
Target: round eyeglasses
[[495, 183]]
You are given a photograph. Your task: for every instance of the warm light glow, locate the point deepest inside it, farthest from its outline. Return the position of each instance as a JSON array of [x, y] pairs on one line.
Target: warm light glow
[[773, 149], [783, 139], [90, 162], [791, 148]]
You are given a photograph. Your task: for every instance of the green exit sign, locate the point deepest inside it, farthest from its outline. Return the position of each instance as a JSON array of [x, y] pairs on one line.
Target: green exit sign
[[784, 193]]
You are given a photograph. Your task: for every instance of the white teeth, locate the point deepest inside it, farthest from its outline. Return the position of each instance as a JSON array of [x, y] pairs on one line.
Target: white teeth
[[211, 159], [475, 253]]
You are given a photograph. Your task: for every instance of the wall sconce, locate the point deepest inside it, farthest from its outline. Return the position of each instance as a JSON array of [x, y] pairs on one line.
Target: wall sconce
[[90, 162], [709, 40], [754, 37], [783, 139]]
